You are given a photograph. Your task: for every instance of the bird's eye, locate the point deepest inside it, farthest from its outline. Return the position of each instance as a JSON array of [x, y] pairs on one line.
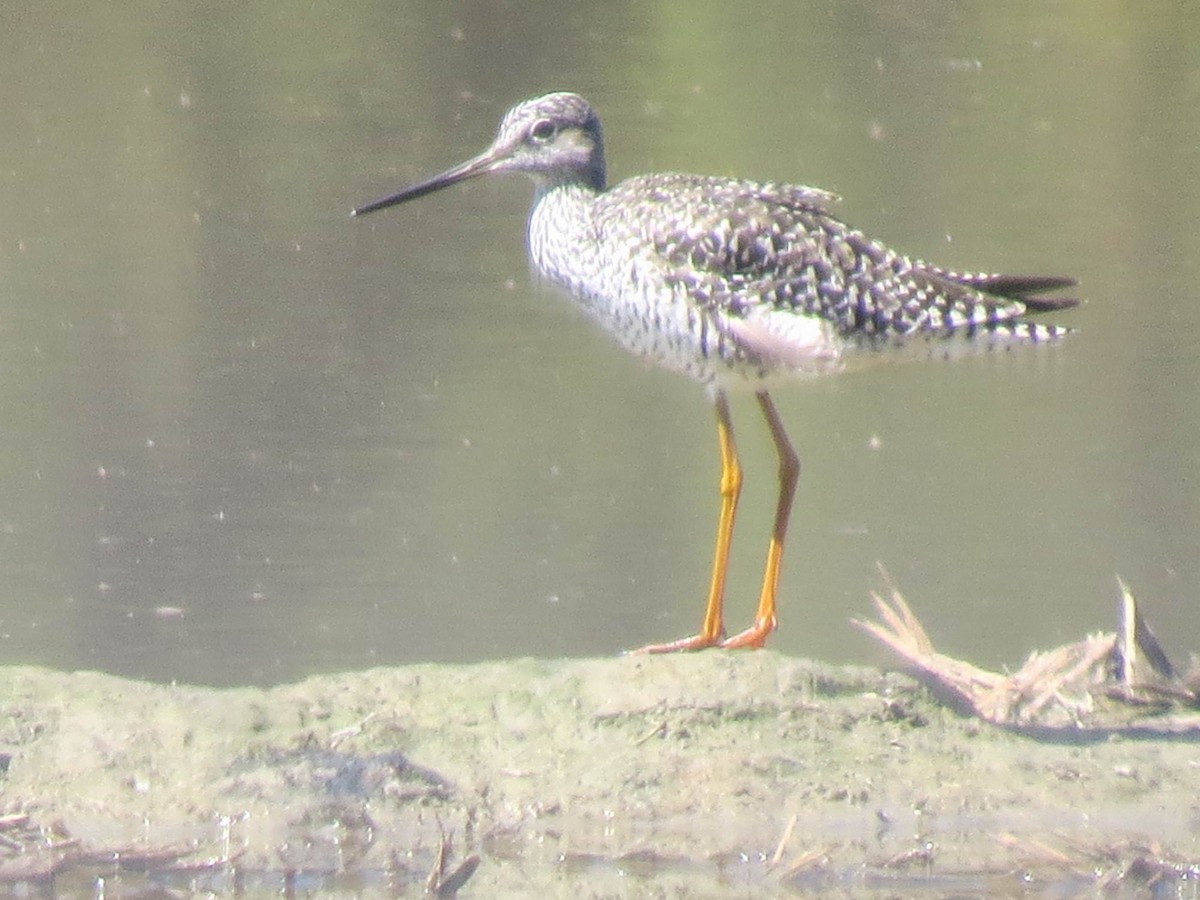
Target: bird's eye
[[543, 131]]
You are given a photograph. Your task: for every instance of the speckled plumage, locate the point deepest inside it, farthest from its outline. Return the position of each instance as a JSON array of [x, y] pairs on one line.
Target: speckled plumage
[[720, 277], [730, 280]]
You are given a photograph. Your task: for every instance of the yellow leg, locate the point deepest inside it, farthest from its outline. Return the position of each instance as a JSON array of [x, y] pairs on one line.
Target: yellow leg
[[713, 629], [789, 471]]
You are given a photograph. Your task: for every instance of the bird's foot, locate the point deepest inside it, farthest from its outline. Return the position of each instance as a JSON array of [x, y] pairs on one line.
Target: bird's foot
[[753, 638], [684, 645]]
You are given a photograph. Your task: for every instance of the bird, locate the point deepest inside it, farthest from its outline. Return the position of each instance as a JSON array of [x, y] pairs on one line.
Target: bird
[[735, 282]]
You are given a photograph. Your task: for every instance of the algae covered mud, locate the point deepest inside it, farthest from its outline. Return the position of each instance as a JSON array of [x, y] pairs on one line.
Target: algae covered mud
[[685, 776]]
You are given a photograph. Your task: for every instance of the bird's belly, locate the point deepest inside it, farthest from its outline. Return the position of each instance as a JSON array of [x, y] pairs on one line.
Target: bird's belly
[[663, 327], [675, 322]]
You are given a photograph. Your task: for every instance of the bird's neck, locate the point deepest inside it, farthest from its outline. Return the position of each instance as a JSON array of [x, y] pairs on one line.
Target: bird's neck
[[568, 189], [560, 228]]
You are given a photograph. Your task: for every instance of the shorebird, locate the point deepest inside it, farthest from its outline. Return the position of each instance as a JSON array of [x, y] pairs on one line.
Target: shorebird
[[732, 281]]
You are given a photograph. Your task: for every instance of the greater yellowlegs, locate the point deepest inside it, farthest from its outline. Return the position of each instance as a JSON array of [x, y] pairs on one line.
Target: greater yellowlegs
[[733, 281]]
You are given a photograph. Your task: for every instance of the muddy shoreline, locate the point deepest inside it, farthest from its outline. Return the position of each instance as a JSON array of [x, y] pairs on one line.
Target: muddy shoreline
[[672, 775]]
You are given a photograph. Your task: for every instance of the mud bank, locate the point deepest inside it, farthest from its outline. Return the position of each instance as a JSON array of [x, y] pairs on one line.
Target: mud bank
[[664, 776]]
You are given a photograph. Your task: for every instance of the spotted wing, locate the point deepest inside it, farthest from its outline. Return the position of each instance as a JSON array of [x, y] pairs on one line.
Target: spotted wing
[[744, 250]]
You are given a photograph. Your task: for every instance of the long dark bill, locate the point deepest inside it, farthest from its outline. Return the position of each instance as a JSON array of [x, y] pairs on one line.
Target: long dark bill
[[472, 167]]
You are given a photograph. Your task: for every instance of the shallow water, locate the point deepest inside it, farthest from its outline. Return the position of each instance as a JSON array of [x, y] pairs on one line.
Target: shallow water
[[248, 438]]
